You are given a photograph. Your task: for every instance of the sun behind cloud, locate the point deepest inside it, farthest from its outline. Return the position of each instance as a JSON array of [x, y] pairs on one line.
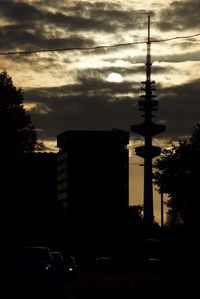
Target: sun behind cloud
[[114, 77]]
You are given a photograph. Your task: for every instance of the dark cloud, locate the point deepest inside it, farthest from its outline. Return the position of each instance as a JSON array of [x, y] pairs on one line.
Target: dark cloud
[[89, 83], [19, 11], [90, 104], [78, 23], [15, 36], [179, 57], [34, 25], [101, 16], [180, 108], [180, 15], [96, 104]]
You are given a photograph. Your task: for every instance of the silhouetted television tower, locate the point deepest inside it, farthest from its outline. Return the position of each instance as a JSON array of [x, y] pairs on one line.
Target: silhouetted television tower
[[148, 129]]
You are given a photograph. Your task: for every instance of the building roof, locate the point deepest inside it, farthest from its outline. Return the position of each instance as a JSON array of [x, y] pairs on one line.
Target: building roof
[[77, 137]]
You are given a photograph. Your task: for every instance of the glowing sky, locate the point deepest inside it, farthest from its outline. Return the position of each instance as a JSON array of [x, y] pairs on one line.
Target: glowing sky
[[77, 89]]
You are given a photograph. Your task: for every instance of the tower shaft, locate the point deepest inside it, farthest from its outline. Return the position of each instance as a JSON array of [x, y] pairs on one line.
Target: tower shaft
[[148, 187]]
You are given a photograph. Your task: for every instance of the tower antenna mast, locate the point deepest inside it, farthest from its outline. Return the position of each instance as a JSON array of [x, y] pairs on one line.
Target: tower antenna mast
[[148, 62], [148, 129]]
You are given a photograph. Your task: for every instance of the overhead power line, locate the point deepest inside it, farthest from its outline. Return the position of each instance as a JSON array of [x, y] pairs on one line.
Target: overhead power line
[[94, 48], [175, 37]]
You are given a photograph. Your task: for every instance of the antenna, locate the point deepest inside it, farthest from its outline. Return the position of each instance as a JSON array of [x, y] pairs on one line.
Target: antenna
[[148, 63], [149, 29]]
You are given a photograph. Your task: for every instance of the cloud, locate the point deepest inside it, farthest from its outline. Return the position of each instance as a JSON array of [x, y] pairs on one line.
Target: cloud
[[95, 104], [179, 57], [181, 16], [89, 104], [73, 92], [26, 37], [33, 25], [180, 107], [19, 11]]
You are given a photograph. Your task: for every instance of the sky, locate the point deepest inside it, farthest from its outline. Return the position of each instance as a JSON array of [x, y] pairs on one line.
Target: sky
[[98, 89]]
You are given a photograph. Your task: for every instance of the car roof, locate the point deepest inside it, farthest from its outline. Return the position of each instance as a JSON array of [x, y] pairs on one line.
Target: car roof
[[36, 252], [56, 252]]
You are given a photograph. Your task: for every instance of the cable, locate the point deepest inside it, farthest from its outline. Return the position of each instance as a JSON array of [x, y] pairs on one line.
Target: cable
[[176, 37], [70, 49], [94, 48]]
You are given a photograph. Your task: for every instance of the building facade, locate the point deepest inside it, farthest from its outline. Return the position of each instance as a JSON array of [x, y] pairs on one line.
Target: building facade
[[32, 192], [92, 169], [92, 181]]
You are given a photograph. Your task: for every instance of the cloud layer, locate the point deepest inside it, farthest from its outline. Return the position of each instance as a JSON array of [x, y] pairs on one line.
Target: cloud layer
[[68, 90]]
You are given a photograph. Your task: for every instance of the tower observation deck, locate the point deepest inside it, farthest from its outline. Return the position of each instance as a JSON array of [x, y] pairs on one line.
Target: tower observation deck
[[148, 129]]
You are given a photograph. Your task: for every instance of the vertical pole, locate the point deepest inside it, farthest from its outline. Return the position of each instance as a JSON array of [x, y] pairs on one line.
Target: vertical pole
[[148, 193], [148, 29], [162, 208]]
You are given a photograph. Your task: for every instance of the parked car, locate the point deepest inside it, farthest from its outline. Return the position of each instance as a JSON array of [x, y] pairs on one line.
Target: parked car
[[7, 268], [104, 263], [152, 255], [71, 268], [34, 263], [58, 266]]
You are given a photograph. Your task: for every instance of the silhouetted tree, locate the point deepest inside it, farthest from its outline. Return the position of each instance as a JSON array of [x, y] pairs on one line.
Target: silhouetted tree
[[178, 175], [18, 136], [17, 133]]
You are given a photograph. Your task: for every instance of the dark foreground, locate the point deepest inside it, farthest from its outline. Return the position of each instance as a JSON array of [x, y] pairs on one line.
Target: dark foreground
[[139, 284], [169, 280]]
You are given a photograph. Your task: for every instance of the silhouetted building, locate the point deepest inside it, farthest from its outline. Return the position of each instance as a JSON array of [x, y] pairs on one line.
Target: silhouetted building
[[93, 169], [92, 174], [34, 190], [38, 171]]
